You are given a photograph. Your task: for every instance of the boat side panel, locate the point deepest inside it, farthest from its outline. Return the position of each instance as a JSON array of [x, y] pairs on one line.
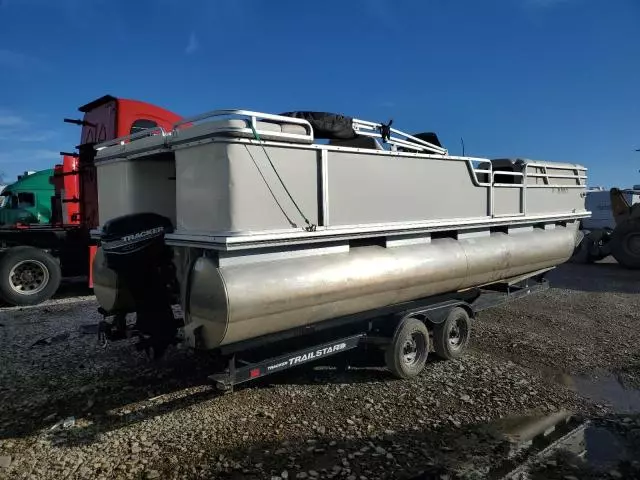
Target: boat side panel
[[555, 200], [259, 199], [380, 188], [507, 201], [230, 187], [202, 189]]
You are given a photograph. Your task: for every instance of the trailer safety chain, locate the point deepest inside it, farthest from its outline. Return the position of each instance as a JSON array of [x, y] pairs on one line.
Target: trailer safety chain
[[310, 227]]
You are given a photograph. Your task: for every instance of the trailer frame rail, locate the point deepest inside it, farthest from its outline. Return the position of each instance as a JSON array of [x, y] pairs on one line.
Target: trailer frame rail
[[251, 371]]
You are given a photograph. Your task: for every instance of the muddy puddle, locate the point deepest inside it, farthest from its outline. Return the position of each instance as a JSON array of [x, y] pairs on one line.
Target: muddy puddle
[[603, 388], [565, 446]]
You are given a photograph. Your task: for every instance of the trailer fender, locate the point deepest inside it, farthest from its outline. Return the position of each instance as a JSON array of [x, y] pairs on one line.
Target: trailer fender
[[438, 313]]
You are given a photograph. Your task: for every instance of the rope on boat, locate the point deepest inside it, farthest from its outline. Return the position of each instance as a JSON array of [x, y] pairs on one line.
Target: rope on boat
[[310, 227], [273, 194]]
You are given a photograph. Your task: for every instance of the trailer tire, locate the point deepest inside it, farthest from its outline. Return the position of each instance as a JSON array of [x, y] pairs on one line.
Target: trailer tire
[[625, 243], [28, 276], [407, 353], [451, 337]]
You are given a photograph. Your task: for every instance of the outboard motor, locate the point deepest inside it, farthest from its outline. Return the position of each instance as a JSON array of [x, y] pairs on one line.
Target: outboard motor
[[134, 249]]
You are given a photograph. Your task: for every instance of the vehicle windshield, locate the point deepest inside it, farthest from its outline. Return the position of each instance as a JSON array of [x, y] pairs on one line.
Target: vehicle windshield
[[19, 200]]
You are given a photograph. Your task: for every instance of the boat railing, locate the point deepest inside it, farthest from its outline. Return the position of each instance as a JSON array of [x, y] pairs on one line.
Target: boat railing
[[520, 180], [133, 136], [248, 123], [481, 171], [547, 174], [259, 125], [396, 138]]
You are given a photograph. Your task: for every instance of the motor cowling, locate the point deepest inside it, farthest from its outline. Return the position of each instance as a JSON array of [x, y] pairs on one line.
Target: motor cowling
[[134, 240], [133, 248]]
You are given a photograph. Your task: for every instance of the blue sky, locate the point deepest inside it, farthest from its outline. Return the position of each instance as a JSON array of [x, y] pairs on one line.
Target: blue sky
[[545, 79]]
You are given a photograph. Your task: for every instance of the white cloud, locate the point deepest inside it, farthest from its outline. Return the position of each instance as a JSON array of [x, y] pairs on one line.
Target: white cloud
[[193, 44], [23, 136], [8, 120], [17, 128], [36, 136], [20, 61], [14, 162]]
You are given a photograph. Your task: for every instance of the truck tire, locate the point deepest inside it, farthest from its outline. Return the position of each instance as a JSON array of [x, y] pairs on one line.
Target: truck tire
[[407, 353], [451, 337], [625, 243], [28, 276]]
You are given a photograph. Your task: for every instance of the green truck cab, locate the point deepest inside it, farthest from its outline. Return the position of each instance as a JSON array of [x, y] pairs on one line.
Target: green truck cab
[[28, 200]]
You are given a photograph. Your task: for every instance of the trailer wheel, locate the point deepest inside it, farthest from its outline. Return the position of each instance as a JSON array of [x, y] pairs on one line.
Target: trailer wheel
[[407, 353], [451, 337], [625, 243], [28, 276]]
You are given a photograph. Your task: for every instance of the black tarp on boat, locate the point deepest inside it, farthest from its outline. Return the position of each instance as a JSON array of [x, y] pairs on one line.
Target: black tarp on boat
[[333, 126], [325, 125]]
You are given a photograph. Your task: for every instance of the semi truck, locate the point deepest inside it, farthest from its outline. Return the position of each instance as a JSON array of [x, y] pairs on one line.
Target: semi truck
[[46, 216], [28, 199]]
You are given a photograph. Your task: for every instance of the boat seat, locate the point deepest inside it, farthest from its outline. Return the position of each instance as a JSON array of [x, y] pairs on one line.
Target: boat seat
[[508, 164], [516, 165], [358, 142], [241, 128]]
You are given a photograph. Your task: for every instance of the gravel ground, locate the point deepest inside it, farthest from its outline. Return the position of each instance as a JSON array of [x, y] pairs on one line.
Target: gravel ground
[[588, 323], [136, 419]]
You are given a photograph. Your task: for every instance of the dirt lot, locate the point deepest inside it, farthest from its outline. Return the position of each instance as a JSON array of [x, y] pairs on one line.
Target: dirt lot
[[575, 347]]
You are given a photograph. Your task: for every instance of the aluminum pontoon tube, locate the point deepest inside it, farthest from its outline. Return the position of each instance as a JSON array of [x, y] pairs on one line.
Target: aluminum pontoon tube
[[229, 304]]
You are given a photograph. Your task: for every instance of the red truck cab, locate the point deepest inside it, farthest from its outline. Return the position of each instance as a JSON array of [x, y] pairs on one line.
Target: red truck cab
[[105, 119]]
